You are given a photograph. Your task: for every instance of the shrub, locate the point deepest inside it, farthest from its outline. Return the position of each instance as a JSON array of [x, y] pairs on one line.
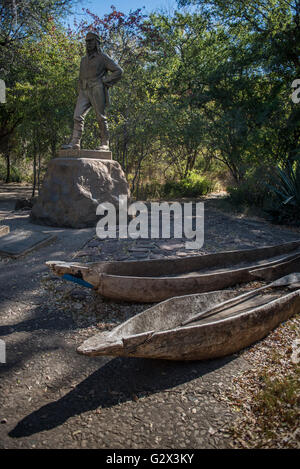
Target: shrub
[[151, 190], [253, 191], [285, 192], [15, 173], [194, 185]]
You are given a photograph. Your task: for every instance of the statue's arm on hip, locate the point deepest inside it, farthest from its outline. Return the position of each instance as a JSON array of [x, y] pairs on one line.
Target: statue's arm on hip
[[114, 68]]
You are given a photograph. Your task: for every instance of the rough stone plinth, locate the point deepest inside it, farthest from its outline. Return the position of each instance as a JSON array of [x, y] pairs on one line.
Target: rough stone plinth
[[74, 187], [97, 154]]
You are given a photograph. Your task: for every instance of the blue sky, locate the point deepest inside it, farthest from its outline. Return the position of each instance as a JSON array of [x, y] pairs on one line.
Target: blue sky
[[100, 7]]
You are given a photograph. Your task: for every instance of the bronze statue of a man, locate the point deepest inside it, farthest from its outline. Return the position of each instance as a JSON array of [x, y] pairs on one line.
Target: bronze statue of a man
[[94, 81]]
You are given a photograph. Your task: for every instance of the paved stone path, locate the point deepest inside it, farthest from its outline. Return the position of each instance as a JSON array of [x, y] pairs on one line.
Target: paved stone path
[[50, 397], [222, 232]]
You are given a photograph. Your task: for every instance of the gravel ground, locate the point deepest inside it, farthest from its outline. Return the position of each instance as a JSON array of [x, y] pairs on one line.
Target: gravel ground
[[53, 398]]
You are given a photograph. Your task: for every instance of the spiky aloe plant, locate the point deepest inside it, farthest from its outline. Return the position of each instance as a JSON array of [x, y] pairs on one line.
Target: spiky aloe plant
[[286, 192]]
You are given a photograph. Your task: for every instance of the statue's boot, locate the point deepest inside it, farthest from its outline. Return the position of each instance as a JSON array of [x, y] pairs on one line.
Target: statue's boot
[[104, 136], [74, 144], [104, 146]]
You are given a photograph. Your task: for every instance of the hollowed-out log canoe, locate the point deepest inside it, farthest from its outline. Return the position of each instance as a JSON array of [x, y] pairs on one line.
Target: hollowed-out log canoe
[[155, 280], [158, 331]]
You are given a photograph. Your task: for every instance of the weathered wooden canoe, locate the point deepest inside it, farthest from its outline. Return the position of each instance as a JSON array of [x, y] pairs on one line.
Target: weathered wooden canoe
[[149, 281], [158, 331]]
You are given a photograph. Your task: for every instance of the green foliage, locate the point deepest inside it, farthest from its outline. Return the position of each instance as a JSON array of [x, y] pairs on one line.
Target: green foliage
[[246, 81], [274, 190], [253, 190], [202, 92], [287, 185], [150, 190], [285, 192], [23, 20], [279, 397], [193, 185], [15, 173], [37, 62]]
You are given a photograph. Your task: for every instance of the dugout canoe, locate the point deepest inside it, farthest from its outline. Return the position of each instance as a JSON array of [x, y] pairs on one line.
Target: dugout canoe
[[158, 332], [150, 281]]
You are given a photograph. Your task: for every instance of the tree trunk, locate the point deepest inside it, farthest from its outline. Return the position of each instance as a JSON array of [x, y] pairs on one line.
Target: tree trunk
[[39, 172], [7, 179], [136, 179], [124, 156], [34, 173], [138, 184]]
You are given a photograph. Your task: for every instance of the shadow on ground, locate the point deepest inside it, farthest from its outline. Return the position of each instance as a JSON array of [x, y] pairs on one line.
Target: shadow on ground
[[41, 320], [118, 381]]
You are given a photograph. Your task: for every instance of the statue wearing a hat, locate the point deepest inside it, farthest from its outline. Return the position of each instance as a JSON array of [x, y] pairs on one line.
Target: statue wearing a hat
[[97, 73]]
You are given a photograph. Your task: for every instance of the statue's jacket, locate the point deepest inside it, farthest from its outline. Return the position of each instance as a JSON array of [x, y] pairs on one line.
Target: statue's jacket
[[93, 71]]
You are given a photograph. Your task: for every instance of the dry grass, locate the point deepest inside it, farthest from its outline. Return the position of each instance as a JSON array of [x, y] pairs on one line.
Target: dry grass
[[267, 396]]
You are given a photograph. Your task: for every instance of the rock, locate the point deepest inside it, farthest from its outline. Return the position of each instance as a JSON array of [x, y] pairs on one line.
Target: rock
[[4, 229], [74, 187], [146, 245], [171, 246], [140, 255], [25, 204], [78, 295], [212, 430]]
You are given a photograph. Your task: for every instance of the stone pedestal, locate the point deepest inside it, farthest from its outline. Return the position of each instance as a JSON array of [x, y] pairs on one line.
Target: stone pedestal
[[97, 154], [74, 187]]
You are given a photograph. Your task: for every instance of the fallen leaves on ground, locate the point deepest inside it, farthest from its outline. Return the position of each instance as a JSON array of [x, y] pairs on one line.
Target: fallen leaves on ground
[[266, 397]]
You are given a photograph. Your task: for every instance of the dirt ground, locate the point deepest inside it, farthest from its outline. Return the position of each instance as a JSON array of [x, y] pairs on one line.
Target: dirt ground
[[51, 397]]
